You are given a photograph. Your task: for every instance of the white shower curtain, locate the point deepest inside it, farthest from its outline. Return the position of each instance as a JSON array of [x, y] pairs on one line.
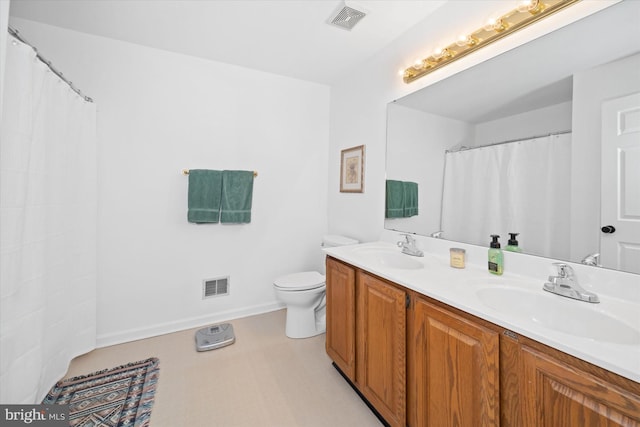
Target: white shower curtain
[[520, 187], [48, 216]]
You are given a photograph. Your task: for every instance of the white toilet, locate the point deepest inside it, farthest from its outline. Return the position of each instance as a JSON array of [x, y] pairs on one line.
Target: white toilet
[[304, 295]]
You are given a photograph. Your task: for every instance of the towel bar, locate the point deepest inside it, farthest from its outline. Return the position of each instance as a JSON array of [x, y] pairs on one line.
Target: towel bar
[[186, 172]]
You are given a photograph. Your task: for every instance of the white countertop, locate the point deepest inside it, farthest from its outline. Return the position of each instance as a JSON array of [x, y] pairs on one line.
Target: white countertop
[[462, 289]]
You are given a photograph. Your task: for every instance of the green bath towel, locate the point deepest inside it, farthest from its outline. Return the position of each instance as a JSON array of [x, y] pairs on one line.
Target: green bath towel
[[205, 191], [395, 199], [410, 199], [237, 192]]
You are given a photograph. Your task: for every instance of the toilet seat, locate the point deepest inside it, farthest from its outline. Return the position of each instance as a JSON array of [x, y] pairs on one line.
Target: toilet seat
[[304, 281]]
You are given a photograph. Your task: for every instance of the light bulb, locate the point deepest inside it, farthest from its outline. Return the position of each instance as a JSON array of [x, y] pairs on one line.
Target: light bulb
[[439, 54], [523, 6], [466, 40], [531, 6], [488, 26], [495, 24]]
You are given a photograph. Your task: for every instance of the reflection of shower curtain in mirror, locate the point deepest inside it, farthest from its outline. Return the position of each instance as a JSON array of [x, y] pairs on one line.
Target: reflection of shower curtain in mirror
[[520, 187]]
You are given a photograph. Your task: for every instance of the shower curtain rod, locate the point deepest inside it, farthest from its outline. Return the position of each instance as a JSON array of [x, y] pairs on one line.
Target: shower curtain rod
[[15, 33], [463, 148]]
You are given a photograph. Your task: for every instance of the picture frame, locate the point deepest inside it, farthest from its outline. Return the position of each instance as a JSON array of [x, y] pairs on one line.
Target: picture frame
[[352, 170]]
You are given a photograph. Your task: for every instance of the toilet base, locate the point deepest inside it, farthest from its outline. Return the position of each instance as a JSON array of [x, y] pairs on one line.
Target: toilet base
[[304, 323]]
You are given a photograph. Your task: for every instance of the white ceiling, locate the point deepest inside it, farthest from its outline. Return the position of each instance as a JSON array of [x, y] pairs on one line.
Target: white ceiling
[[292, 38], [286, 37]]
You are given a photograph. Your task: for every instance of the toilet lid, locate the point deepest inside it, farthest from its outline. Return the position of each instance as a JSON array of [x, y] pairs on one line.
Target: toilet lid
[[300, 281]]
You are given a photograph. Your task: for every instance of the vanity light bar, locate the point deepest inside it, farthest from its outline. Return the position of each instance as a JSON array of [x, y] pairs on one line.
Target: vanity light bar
[[524, 15]]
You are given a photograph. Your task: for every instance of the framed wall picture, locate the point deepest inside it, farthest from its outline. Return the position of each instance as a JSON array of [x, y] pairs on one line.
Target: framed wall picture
[[352, 170]]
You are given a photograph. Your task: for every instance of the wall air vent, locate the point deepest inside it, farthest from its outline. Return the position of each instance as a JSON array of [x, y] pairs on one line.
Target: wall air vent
[[215, 287], [347, 18]]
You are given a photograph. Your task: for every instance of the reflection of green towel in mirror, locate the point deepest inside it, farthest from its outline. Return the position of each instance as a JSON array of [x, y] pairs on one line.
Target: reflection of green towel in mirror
[[237, 192], [205, 190], [395, 199], [401, 199], [410, 199]]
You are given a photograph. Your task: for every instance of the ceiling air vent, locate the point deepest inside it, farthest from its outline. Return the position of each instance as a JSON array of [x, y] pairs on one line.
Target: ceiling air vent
[[347, 18]]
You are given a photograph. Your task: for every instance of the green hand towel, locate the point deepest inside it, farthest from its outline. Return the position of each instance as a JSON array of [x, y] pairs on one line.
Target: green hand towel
[[205, 191], [395, 199], [410, 199], [237, 192]]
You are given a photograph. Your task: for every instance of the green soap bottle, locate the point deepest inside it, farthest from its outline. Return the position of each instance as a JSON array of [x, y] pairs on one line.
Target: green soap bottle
[[513, 244], [496, 258]]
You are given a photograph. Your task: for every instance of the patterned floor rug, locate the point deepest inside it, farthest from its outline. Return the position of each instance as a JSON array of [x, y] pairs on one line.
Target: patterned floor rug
[[121, 396]]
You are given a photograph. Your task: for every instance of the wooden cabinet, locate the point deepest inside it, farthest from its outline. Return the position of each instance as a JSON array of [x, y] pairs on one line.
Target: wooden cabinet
[[381, 346], [341, 316], [422, 363], [366, 337], [548, 388], [556, 394], [454, 370]]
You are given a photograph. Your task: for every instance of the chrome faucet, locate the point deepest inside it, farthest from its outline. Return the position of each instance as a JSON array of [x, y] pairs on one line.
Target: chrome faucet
[[591, 259], [409, 246], [436, 234], [566, 285]]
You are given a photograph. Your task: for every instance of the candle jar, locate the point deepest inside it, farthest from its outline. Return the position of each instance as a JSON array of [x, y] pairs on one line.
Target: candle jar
[[457, 257]]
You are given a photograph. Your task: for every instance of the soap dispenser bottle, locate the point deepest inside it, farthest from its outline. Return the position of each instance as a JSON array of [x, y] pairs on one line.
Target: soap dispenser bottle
[[513, 244], [496, 258]]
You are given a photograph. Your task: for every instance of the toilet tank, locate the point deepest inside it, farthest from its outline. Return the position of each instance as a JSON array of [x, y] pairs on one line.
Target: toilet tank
[[333, 240]]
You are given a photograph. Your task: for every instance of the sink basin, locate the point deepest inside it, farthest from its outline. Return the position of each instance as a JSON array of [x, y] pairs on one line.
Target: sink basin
[[558, 313], [390, 258], [398, 260]]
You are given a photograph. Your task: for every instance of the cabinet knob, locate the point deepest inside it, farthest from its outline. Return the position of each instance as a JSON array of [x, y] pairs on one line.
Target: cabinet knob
[[608, 229]]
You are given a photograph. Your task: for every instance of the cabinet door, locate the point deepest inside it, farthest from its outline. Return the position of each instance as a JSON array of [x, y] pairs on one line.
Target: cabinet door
[[341, 316], [558, 395], [381, 343], [455, 373]]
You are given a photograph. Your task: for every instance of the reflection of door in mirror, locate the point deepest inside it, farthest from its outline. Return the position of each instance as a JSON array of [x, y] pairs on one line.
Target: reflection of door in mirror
[[621, 184]]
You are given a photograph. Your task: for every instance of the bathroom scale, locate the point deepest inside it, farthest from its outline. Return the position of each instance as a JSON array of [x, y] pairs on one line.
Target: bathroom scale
[[214, 337]]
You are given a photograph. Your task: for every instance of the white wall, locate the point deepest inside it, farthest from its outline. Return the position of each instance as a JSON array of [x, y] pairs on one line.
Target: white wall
[[542, 121], [590, 89], [4, 22], [419, 141], [160, 112]]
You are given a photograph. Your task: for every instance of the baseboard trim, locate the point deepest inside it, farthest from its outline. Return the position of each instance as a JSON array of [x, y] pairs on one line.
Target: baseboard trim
[[181, 325]]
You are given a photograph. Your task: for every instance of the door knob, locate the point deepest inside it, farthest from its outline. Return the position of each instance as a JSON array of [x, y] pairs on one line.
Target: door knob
[[608, 229]]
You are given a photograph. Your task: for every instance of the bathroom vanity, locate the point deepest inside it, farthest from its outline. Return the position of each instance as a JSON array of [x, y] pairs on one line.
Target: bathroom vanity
[[422, 344]]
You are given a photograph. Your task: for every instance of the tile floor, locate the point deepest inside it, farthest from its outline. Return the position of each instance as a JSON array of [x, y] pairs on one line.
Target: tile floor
[[264, 379]]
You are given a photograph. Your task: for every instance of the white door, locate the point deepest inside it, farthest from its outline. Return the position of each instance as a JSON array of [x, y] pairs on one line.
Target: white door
[[620, 191]]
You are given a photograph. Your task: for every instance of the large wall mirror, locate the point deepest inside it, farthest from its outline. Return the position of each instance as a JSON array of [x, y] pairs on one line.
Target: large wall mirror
[[543, 141]]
